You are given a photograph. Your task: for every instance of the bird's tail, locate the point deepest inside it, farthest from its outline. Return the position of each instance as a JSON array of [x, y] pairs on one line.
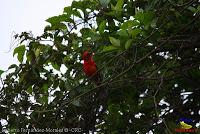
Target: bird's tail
[[101, 96]]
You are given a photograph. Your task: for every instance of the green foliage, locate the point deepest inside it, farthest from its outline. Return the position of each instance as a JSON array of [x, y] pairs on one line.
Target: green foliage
[[128, 43], [147, 53], [115, 42], [20, 52], [104, 3], [1, 72], [102, 27]]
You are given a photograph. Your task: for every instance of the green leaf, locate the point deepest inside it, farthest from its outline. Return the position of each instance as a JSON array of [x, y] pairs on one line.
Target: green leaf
[[58, 19], [135, 32], [1, 72], [56, 66], [145, 18], [45, 87], [104, 3], [128, 43], [192, 9], [115, 42], [69, 11], [154, 23], [37, 52], [148, 17], [119, 5], [77, 13], [77, 4], [66, 59], [76, 103], [43, 99], [139, 16], [198, 9], [20, 52], [129, 24], [109, 48], [122, 33], [29, 90], [102, 26], [86, 32], [58, 26]]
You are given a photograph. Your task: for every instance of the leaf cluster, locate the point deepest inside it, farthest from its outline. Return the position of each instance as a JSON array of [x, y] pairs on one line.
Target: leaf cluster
[[147, 52]]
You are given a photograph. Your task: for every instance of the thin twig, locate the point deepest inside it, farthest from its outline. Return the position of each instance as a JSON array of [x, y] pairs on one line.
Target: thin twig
[[185, 4], [155, 102]]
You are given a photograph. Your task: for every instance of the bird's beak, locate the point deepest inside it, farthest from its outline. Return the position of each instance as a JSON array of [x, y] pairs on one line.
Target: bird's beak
[[91, 53]]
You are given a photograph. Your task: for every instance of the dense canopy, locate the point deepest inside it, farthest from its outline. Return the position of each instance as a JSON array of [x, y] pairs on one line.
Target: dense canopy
[[147, 51]]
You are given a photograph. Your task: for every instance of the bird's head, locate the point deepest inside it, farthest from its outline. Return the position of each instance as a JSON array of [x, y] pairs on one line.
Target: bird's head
[[87, 55]]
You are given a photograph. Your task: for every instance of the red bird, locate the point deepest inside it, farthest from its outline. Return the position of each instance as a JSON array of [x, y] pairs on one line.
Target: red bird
[[99, 98], [90, 67]]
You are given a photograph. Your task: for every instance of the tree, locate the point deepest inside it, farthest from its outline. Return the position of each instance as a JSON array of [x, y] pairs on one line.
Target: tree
[[146, 50]]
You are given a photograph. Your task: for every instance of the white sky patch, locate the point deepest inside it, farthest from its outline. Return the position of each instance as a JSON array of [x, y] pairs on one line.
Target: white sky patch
[[163, 111], [145, 93], [163, 102], [4, 122], [150, 132], [138, 115], [198, 125], [184, 95], [63, 69], [24, 15], [120, 112]]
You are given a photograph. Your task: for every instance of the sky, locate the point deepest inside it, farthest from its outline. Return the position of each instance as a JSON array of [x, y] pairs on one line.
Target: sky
[[24, 15]]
